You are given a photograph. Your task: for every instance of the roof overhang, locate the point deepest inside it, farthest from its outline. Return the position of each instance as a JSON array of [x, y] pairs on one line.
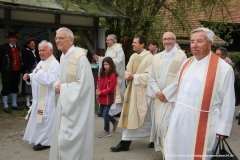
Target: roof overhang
[[94, 9]]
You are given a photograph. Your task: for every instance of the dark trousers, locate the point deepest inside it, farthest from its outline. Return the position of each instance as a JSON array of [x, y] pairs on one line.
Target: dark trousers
[[10, 82]]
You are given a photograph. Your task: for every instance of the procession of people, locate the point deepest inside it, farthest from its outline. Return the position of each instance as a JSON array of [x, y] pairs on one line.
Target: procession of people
[[184, 105]]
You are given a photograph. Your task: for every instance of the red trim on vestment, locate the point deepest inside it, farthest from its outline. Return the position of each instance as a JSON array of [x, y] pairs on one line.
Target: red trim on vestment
[[206, 102]]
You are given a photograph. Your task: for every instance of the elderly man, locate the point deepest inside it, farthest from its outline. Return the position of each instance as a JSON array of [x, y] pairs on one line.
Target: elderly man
[[74, 117], [153, 47], [204, 104], [135, 117], [161, 88], [10, 66], [40, 125], [222, 53], [115, 51]]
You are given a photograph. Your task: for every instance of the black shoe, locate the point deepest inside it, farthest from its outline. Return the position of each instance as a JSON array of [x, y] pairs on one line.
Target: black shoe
[[40, 147], [99, 115], [119, 148], [151, 145], [16, 108], [118, 115], [7, 110], [28, 107]]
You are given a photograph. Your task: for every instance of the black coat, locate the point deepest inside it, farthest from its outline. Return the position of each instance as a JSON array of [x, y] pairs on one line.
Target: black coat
[[29, 59], [6, 57]]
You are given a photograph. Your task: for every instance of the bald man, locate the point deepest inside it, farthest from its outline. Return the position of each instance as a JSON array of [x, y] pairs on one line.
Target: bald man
[[161, 88]]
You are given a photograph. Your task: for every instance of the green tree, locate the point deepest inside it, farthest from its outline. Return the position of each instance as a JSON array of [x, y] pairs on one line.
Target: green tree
[[153, 17]]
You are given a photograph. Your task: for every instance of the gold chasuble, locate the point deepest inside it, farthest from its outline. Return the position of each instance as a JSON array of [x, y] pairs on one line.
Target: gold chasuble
[[43, 92], [133, 67], [208, 92], [73, 63]]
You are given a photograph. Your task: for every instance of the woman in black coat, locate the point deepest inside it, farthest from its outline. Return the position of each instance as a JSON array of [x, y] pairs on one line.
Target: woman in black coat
[[30, 57]]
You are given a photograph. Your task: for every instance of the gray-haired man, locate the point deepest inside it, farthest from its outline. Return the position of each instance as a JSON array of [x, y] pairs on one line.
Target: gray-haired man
[[115, 51]]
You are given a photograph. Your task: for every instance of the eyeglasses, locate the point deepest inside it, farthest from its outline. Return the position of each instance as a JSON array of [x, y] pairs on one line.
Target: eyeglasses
[[168, 39], [61, 38]]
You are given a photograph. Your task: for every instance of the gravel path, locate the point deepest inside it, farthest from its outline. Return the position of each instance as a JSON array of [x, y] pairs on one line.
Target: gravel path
[[12, 147]]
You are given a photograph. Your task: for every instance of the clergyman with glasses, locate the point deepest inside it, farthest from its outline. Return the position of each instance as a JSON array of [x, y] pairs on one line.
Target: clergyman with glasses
[[161, 88], [74, 89]]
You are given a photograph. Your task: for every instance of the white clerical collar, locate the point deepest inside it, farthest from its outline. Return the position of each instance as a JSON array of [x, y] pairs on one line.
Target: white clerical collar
[[12, 45], [202, 61], [113, 45], [141, 53], [172, 51], [70, 50]]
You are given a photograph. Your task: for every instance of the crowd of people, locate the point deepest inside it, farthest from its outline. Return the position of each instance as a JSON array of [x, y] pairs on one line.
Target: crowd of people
[[184, 105]]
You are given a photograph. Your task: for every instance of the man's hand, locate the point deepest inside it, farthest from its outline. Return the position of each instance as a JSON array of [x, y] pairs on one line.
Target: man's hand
[[26, 76], [161, 96], [58, 87], [95, 57], [222, 137], [129, 77], [38, 69]]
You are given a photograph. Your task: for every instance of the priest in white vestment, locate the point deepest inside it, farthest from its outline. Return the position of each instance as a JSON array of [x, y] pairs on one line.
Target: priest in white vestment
[[40, 126], [205, 102], [161, 88], [115, 51], [135, 117], [74, 88]]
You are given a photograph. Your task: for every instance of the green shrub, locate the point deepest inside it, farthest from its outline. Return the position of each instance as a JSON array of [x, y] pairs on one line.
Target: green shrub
[[235, 57]]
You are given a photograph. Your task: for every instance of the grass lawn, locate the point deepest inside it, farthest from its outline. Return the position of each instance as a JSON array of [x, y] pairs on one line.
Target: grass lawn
[[15, 113]]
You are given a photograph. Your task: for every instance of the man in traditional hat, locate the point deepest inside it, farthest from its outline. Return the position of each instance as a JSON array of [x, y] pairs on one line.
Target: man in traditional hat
[[10, 65]]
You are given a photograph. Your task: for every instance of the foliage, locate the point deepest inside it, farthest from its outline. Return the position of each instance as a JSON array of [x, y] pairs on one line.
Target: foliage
[[154, 17], [235, 57], [78, 41]]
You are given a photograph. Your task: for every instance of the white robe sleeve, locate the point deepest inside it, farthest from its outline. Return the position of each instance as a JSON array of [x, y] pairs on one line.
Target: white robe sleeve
[[47, 78], [135, 79], [152, 83], [228, 103]]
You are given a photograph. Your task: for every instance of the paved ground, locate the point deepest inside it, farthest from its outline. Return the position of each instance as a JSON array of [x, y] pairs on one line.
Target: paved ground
[[12, 147]]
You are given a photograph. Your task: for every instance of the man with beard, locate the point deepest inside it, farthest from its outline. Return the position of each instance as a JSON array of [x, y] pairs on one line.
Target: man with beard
[[161, 88]]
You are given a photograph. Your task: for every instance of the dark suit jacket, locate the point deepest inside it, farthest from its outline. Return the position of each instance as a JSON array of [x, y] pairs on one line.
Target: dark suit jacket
[[29, 60], [6, 57]]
